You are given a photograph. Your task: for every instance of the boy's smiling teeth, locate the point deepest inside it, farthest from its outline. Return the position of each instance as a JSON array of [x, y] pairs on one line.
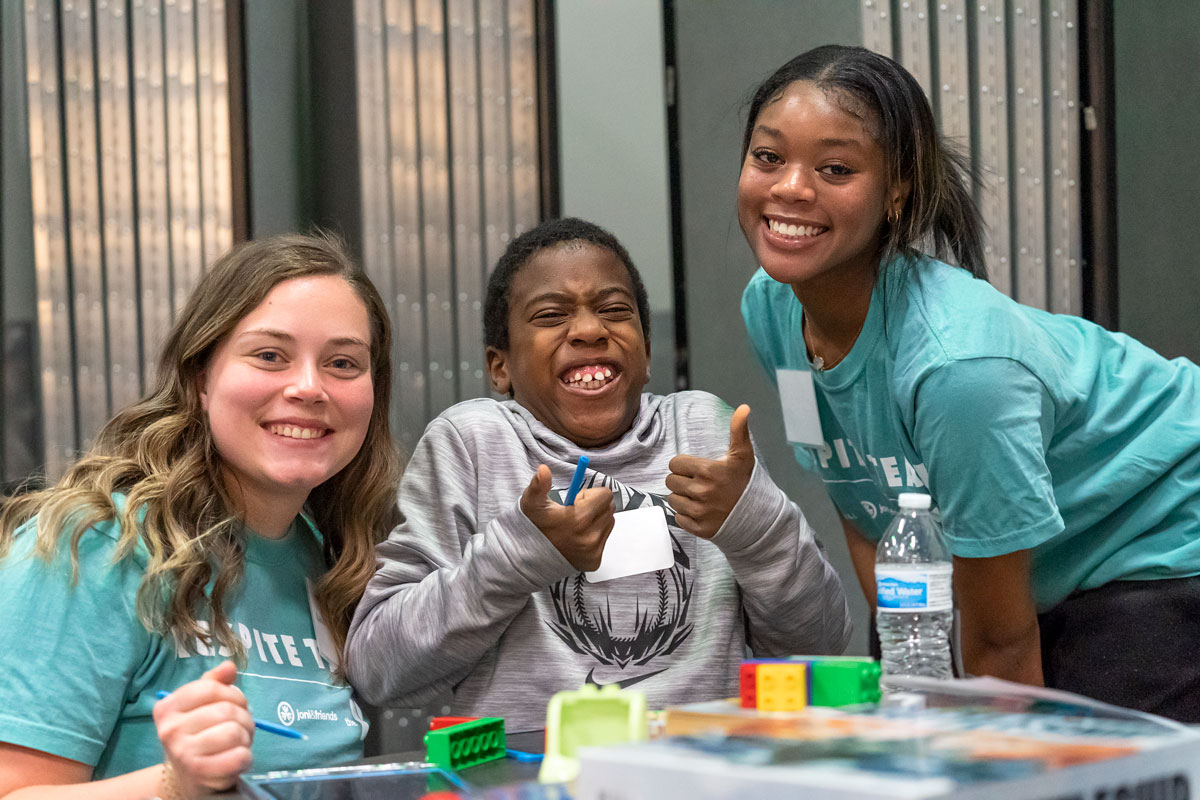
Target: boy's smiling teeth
[[785, 229], [590, 377], [296, 432]]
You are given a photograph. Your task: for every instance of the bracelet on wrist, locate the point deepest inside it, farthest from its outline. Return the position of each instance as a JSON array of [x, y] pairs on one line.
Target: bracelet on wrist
[[168, 784]]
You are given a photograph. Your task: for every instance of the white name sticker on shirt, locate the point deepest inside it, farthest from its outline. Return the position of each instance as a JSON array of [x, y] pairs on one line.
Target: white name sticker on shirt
[[639, 542], [324, 637], [801, 422]]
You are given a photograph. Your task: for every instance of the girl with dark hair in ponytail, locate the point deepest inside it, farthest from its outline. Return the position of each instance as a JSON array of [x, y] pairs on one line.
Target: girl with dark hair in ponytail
[[1064, 459]]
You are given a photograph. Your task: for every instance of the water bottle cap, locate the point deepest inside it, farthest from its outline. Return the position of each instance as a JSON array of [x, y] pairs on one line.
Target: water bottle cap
[[914, 500]]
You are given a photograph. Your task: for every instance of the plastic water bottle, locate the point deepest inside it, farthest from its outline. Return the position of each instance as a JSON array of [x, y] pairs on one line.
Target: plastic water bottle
[[915, 608]]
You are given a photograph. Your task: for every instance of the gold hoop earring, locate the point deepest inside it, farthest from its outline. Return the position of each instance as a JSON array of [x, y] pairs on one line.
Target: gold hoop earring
[[893, 217]]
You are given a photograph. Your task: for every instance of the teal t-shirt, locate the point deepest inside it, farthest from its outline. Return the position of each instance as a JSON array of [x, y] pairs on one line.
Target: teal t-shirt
[[1030, 430], [80, 672]]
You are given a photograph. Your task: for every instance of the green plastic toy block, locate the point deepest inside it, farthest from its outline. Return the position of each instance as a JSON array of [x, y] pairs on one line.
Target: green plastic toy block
[[465, 745], [844, 682], [589, 717]]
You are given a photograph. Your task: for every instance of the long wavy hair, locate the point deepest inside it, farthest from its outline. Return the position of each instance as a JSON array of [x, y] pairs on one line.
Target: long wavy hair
[[939, 210], [159, 453]]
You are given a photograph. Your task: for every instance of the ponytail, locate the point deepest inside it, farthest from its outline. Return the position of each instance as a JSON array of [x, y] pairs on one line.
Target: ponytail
[[939, 215]]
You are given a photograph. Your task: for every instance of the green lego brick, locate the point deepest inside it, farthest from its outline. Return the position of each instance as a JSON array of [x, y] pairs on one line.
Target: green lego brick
[[464, 745], [589, 717], [844, 682]]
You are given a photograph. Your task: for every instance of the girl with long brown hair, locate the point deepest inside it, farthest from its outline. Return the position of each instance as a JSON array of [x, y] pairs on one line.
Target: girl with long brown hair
[[212, 544]]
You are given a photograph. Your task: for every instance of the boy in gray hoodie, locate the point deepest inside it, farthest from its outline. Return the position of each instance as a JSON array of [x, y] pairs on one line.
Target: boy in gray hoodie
[[481, 588]]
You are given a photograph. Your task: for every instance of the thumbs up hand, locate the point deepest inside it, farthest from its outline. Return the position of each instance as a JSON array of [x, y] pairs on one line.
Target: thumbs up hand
[[578, 531], [703, 490]]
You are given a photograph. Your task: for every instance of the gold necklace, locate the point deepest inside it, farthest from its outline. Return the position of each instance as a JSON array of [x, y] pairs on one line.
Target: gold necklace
[[818, 363]]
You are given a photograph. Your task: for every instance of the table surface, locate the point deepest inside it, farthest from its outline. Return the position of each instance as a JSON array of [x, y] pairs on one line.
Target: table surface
[[500, 772]]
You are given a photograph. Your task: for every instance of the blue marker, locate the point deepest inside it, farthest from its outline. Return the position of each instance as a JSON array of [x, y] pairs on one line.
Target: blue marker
[[262, 725], [576, 481]]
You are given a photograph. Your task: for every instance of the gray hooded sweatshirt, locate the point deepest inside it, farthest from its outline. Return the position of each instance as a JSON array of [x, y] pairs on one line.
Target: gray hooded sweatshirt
[[471, 596]]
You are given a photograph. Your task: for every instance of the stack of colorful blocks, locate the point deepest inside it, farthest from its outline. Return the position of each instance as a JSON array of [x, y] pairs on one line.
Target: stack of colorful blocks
[[791, 684]]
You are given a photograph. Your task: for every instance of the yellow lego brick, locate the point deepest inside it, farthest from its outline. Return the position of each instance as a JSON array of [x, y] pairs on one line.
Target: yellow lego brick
[[781, 687]]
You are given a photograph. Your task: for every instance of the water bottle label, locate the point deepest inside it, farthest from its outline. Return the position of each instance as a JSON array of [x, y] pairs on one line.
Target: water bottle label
[[907, 589]]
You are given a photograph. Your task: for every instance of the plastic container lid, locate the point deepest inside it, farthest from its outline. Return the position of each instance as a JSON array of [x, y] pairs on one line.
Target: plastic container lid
[[914, 500]]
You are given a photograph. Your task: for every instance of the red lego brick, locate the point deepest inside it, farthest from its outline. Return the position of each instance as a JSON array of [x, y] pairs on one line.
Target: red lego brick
[[747, 684], [445, 722]]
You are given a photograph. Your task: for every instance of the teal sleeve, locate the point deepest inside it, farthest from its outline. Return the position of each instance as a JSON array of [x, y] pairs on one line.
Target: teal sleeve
[[67, 652], [982, 427]]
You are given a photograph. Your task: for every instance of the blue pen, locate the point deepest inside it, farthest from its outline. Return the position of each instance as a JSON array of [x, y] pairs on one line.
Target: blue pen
[[576, 481], [261, 724]]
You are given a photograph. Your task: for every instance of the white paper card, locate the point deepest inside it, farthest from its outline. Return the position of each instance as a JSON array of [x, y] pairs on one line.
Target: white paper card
[[639, 542], [324, 638], [801, 422]]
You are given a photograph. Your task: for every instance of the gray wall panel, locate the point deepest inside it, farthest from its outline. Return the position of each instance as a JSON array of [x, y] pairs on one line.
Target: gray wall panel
[[117, 198], [83, 198], [150, 165], [126, 184], [913, 49], [1028, 148], [20, 402], [434, 147], [46, 150], [1064, 241], [447, 143], [277, 118], [408, 313], [953, 90], [183, 162], [469, 268], [612, 114], [990, 139], [1157, 166], [712, 92]]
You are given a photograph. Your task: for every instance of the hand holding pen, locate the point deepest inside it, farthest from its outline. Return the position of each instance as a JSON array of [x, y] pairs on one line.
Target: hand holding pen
[[577, 529], [206, 729]]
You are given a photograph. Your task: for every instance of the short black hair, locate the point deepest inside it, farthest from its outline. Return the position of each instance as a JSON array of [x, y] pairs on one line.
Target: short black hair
[[550, 233]]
